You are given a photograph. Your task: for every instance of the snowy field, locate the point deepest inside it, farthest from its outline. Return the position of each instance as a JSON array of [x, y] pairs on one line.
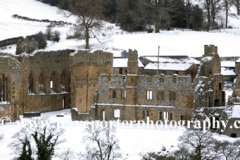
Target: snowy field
[[174, 42], [133, 141]]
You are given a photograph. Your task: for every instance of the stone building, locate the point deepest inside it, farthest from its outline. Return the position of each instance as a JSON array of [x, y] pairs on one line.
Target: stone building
[[170, 68], [49, 81], [173, 97], [209, 80], [84, 81]]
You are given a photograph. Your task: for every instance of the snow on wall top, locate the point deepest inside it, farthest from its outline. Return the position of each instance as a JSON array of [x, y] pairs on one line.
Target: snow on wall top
[[123, 62], [169, 66], [238, 60]]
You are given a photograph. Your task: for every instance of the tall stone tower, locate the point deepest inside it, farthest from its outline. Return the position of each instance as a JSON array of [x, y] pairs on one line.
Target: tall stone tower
[[131, 82], [85, 70], [211, 63]]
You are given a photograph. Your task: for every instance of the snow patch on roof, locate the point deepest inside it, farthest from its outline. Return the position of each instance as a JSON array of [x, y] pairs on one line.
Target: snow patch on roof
[[169, 66], [238, 60], [227, 72], [228, 63]]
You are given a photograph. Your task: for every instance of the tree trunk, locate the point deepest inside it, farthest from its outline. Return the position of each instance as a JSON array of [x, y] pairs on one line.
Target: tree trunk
[[226, 24], [238, 7], [87, 38]]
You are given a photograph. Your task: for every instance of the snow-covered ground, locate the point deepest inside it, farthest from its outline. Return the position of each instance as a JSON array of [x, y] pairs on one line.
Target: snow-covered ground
[[133, 141]]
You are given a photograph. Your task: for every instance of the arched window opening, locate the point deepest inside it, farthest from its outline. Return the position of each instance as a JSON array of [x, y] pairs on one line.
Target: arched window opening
[[64, 82], [63, 102], [53, 82], [31, 83], [4, 88], [42, 82]]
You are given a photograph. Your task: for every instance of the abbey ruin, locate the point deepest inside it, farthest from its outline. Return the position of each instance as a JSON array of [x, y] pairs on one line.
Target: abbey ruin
[[84, 82]]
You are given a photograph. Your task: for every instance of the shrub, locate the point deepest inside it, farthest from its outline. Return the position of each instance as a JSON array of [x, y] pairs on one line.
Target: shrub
[[48, 33], [42, 43], [56, 36]]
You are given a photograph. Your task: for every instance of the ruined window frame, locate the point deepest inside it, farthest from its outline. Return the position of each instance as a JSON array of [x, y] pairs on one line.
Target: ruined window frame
[[170, 116], [172, 95], [174, 80], [149, 94], [113, 93], [143, 115], [4, 88], [31, 83], [160, 116], [182, 117], [123, 94], [147, 113], [115, 113], [220, 86], [161, 95]]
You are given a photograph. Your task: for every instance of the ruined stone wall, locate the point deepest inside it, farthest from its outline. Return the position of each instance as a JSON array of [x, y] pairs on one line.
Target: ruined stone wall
[[236, 87], [219, 95], [136, 101], [10, 86], [85, 70], [44, 67]]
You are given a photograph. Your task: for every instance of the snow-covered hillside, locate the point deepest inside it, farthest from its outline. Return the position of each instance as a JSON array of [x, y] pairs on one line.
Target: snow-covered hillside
[[175, 42]]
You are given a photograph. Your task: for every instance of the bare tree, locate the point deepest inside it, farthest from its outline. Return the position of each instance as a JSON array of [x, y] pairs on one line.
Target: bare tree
[[200, 144], [228, 150], [237, 5], [67, 155], [88, 13], [211, 8], [102, 143], [227, 5]]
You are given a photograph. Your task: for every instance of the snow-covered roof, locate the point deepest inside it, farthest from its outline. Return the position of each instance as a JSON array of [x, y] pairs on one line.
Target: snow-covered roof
[[228, 63], [236, 111], [172, 59], [123, 62], [238, 60], [227, 72], [169, 66]]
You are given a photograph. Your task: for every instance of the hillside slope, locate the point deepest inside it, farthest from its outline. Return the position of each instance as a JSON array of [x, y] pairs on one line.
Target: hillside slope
[[175, 42]]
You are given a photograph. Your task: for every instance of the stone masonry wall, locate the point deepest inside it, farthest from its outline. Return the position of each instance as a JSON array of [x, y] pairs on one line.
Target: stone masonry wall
[[85, 70]]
